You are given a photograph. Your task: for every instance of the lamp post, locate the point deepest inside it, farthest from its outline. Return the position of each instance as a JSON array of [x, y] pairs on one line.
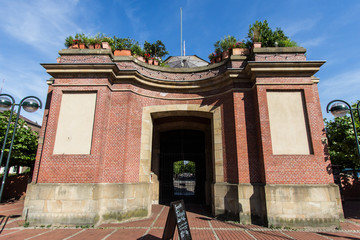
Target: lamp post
[[339, 109], [7, 102]]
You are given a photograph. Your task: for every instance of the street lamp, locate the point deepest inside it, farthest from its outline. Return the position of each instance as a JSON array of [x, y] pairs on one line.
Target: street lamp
[[7, 102], [340, 109]]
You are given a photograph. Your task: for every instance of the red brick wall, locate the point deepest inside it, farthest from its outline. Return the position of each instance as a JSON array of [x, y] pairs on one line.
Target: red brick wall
[[115, 152], [294, 169]]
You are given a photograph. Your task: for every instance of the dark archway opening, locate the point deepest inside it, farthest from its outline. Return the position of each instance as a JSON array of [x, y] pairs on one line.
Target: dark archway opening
[[182, 166]]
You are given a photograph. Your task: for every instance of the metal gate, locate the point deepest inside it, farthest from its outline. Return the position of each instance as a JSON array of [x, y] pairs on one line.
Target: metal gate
[[183, 172]]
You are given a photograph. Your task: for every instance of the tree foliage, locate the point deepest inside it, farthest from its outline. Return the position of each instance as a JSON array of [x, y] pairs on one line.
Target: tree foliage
[[261, 32], [225, 43], [156, 49], [342, 144], [123, 43], [184, 167], [25, 142]]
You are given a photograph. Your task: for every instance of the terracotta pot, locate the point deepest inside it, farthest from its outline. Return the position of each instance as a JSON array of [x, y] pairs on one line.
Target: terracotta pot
[[140, 58], [218, 59], [75, 46], [82, 45], [105, 45], [150, 61], [240, 51], [156, 62], [122, 52], [97, 45], [225, 54], [212, 61], [91, 46], [257, 44]]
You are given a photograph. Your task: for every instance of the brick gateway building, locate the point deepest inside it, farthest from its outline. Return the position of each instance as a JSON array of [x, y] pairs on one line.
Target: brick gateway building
[[114, 127]]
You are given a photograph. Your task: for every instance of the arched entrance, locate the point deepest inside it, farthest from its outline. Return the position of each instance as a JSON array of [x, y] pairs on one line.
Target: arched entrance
[[182, 166], [182, 160], [163, 118]]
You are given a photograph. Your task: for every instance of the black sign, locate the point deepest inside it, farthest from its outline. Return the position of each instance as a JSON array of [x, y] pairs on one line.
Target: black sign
[[177, 217]]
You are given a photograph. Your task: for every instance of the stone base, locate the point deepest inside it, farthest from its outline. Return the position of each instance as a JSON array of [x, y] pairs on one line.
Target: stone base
[[246, 201], [296, 205], [314, 205], [86, 204], [253, 205]]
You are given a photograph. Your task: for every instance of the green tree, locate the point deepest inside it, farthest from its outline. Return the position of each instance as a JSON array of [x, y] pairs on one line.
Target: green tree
[[25, 142], [261, 32], [226, 43], [179, 167], [156, 49], [184, 167], [342, 144], [190, 167]]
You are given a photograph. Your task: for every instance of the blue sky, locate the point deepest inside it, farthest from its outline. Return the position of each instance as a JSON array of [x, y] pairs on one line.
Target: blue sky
[[32, 32]]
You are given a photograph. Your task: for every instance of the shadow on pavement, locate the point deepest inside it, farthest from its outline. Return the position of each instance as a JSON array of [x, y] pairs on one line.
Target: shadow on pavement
[[149, 237]]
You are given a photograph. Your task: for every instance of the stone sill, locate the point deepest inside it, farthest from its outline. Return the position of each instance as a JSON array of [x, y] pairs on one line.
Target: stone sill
[[69, 51], [279, 50]]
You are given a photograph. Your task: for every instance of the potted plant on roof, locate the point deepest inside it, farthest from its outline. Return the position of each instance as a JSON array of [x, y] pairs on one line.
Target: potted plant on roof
[[98, 40], [91, 43], [72, 42], [69, 41], [156, 61], [240, 49], [226, 44], [76, 43], [148, 58], [138, 52], [260, 34], [107, 42], [156, 50], [217, 55], [212, 57], [122, 46], [81, 39]]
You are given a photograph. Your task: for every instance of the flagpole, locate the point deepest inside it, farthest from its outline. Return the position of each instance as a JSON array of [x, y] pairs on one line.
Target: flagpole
[[181, 31]]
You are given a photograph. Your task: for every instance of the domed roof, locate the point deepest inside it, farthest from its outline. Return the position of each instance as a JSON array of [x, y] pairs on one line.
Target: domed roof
[[185, 62]]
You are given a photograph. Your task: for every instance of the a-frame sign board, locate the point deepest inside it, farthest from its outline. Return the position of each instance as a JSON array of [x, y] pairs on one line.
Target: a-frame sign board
[[177, 217]]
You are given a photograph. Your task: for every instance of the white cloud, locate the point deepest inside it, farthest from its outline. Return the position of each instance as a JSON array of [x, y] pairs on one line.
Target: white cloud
[[313, 42], [137, 23], [292, 28], [344, 86], [22, 82], [43, 26], [40, 23]]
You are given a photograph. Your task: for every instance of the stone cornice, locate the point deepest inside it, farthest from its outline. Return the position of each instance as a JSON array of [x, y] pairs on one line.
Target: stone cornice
[[128, 69], [283, 68], [59, 70], [116, 75]]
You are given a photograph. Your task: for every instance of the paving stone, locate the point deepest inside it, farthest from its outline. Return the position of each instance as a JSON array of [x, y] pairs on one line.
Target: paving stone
[[202, 226], [22, 234], [93, 234], [349, 226], [340, 235], [268, 235], [305, 235], [127, 234], [58, 234]]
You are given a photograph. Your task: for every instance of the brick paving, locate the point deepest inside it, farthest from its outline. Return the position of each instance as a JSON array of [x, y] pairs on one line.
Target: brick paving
[[201, 224]]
